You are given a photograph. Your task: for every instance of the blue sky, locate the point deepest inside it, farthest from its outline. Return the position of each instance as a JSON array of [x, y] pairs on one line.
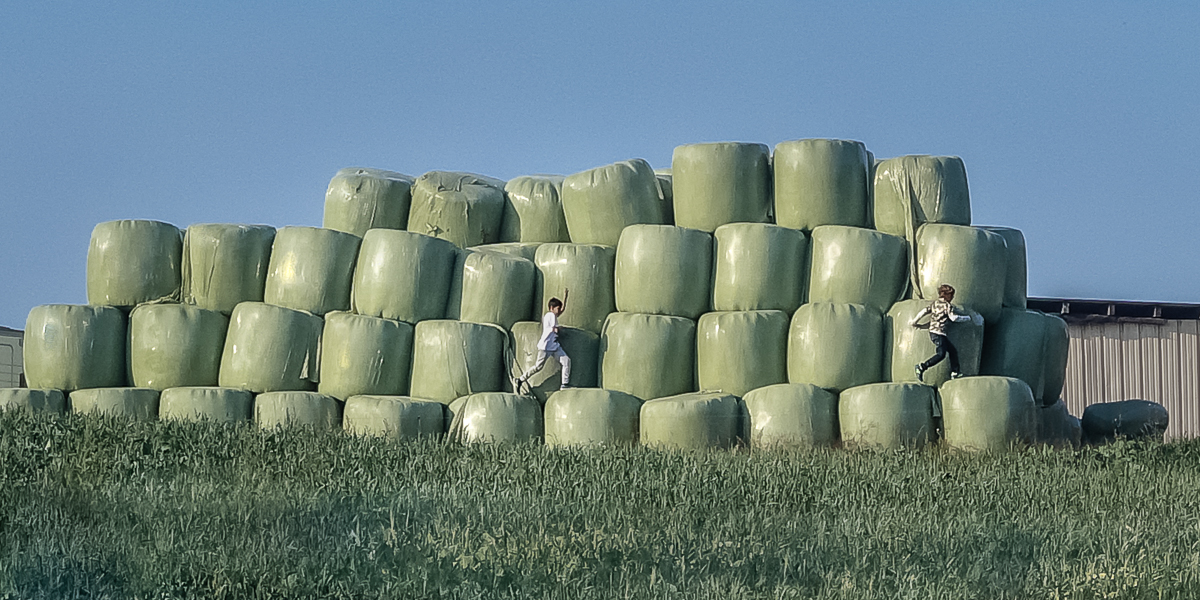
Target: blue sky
[[1079, 124]]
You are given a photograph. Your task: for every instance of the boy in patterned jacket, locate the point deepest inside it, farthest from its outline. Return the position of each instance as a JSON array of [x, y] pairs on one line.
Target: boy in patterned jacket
[[941, 313]]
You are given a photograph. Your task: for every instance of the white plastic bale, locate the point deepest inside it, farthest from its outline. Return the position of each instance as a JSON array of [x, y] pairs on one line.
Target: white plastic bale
[[822, 182], [297, 409], [835, 346], [216, 404], [70, 347], [648, 356], [792, 415], [492, 287], [496, 417], [140, 404], [175, 345], [740, 351], [463, 208], [591, 417], [600, 202]]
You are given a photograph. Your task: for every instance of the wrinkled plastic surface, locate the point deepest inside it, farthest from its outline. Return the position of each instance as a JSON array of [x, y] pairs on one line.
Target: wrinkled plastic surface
[[851, 265], [452, 359], [297, 409], [364, 355], [311, 269], [137, 403], [33, 401], [496, 417], [591, 417], [463, 208], [970, 259], [1031, 346], [599, 203], [912, 190], [648, 356], [130, 262], [835, 346], [175, 345], [792, 415], [270, 349], [70, 347], [666, 195], [395, 417], [991, 414], [586, 270], [525, 250], [359, 198], [663, 270], [821, 182], [906, 346], [581, 346], [218, 404], [887, 415], [491, 287], [225, 264], [692, 422], [760, 267], [1016, 280], [1134, 419], [403, 275], [1057, 428], [740, 351], [533, 210], [718, 183]]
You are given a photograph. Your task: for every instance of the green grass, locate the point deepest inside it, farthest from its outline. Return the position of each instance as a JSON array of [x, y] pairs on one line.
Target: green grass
[[101, 508]]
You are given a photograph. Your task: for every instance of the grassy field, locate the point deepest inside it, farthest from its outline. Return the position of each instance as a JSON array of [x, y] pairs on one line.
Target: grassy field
[[97, 508]]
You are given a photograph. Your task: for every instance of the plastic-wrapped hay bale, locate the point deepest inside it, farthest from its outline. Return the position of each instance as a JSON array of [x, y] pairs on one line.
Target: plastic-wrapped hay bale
[[582, 346], [70, 347], [1057, 428], [991, 414], [1058, 341], [33, 401], [648, 356], [970, 259], [740, 351], [491, 287], [364, 355], [359, 199], [835, 346], [291, 409], [525, 250], [134, 402], [851, 265], [403, 275], [225, 264], [396, 417], [887, 415], [588, 417], [1016, 280], [463, 208], [666, 195], [663, 270], [792, 415], [1134, 419], [496, 417], [131, 262], [270, 349], [311, 269], [452, 359], [175, 345], [760, 267], [692, 422], [821, 182], [906, 346], [719, 183], [588, 270], [912, 190], [533, 210], [1031, 346], [599, 203], [219, 404]]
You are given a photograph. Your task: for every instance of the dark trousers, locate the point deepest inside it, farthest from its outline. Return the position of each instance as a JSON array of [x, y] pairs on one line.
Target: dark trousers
[[943, 348]]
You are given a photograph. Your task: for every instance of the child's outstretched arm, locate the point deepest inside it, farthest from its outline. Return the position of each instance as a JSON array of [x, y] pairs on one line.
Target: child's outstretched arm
[[920, 315]]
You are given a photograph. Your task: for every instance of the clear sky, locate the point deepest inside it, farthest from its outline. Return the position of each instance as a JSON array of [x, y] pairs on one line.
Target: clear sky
[[1079, 123]]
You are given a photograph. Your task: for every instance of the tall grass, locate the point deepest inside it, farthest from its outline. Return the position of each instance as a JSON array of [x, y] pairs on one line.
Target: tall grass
[[101, 508]]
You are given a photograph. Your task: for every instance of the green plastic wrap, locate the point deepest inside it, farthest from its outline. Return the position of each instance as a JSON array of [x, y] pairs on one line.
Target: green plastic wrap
[[663, 270], [70, 347], [270, 349], [403, 275], [1031, 346], [452, 359], [175, 345], [359, 199], [491, 287], [33, 401], [990, 414], [821, 182], [525, 250], [1133, 419], [591, 417], [533, 210], [136, 403], [851, 265], [718, 183], [581, 346], [496, 417], [835, 346], [131, 262], [792, 415], [395, 417], [463, 208], [1016, 280], [1057, 428], [364, 355], [970, 259], [588, 270], [760, 267], [224, 264], [906, 346], [218, 404], [912, 190], [648, 356], [666, 195], [599, 203], [692, 422], [311, 269], [740, 351], [297, 409], [887, 415]]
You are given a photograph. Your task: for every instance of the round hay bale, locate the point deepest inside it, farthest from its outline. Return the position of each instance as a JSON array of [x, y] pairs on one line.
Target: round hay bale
[[991, 414], [395, 417], [225, 264], [130, 262], [792, 415], [70, 347], [697, 421], [217, 404], [297, 409], [359, 199], [136, 403], [887, 415], [589, 417]]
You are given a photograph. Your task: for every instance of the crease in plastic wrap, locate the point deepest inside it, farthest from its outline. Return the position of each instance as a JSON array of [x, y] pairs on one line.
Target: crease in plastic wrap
[[133, 261], [694, 421], [492, 287], [137, 403], [822, 182], [297, 409], [1016, 279], [759, 266], [271, 349], [906, 346], [463, 208], [581, 345], [718, 183], [792, 415], [533, 210], [1031, 346], [175, 345], [363, 355], [225, 264], [663, 270], [599, 203], [452, 359], [666, 195], [648, 356], [970, 259], [591, 417], [990, 414], [394, 417], [496, 418], [586, 270], [403, 275], [70, 347], [740, 351], [361, 198], [851, 265], [216, 404], [33, 401], [888, 415], [835, 346], [311, 269]]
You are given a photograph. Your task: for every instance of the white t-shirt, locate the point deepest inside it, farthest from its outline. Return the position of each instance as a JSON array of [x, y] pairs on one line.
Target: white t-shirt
[[549, 340]]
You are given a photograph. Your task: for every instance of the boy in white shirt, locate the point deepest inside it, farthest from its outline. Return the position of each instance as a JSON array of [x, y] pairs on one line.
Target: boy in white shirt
[[548, 345]]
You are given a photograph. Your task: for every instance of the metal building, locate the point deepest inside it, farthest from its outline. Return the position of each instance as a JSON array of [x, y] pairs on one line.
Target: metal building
[[12, 364]]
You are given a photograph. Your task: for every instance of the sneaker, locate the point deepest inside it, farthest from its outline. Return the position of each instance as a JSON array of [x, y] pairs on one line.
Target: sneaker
[[565, 386], [920, 373], [956, 376]]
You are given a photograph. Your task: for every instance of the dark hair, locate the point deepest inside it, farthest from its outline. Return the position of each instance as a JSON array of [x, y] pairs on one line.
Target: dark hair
[[554, 303], [945, 291]]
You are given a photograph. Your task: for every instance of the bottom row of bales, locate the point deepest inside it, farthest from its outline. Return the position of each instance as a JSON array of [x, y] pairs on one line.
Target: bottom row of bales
[[973, 413]]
